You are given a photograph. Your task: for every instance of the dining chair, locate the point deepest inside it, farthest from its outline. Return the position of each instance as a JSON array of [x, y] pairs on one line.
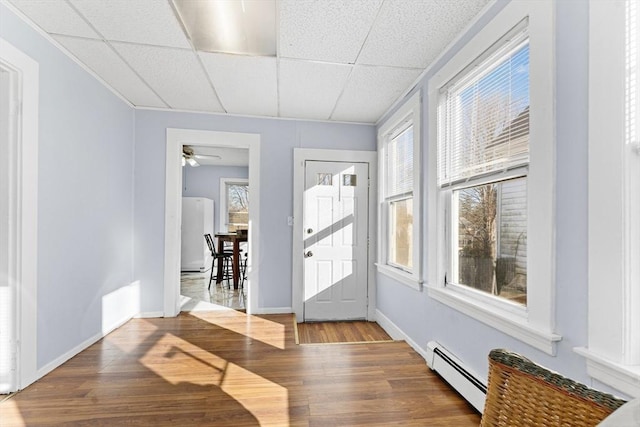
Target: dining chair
[[224, 258]]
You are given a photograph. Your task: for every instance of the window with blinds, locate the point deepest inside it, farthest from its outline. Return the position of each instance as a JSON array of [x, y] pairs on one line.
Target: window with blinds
[[399, 196], [483, 153]]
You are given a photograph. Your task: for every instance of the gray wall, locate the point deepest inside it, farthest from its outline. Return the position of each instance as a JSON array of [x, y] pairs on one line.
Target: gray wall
[[85, 202], [204, 181], [278, 138], [424, 319]]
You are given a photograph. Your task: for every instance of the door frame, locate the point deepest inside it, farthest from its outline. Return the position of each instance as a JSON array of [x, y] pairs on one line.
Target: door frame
[[176, 138], [300, 157], [23, 188]]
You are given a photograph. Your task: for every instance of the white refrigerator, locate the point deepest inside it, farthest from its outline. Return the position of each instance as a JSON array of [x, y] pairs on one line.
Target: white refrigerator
[[197, 220]]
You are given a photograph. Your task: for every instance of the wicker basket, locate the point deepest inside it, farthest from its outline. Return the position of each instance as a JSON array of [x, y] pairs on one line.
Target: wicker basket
[[522, 393]]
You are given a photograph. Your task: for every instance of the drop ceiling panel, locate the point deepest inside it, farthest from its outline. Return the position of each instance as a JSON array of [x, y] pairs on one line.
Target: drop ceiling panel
[[174, 74], [245, 84], [56, 17], [331, 31], [371, 90], [100, 58], [310, 90], [412, 33], [136, 21]]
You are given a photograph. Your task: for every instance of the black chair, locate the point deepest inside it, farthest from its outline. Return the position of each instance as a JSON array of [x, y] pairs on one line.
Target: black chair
[[224, 258], [243, 269]]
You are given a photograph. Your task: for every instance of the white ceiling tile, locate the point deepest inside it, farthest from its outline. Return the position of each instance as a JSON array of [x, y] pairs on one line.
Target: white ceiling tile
[[370, 91], [245, 84], [328, 30], [100, 58], [310, 90], [136, 21], [174, 74], [412, 33], [56, 16]]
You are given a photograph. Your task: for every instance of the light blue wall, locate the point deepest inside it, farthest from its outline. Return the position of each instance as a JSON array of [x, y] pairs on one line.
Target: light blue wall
[[278, 139], [424, 319], [204, 181], [85, 203]]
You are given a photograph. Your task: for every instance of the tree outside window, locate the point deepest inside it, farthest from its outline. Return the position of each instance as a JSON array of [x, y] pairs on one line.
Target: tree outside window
[[237, 206]]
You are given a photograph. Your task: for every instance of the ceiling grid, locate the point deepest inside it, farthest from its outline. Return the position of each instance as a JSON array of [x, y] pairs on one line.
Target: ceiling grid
[[338, 60]]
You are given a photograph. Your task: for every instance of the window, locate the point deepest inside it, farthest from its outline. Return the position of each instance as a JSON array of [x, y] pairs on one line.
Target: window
[[399, 153], [491, 157], [613, 353], [234, 204], [482, 170]]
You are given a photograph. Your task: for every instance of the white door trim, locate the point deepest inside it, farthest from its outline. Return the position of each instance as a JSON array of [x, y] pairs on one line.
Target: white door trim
[[23, 270], [300, 156], [173, 213]]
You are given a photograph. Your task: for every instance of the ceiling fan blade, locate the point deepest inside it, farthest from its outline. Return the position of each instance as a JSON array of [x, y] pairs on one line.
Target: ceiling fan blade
[[207, 156], [193, 162]]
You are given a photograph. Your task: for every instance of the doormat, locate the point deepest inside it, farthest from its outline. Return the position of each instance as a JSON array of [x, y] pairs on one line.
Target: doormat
[[352, 332]]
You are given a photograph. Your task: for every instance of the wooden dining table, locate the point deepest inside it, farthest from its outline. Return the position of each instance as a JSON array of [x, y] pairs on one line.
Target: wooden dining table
[[236, 239]]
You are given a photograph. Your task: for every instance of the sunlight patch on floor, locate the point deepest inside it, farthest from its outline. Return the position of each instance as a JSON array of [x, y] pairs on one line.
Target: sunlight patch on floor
[[266, 400], [11, 410], [257, 328], [180, 356], [121, 338], [188, 304]]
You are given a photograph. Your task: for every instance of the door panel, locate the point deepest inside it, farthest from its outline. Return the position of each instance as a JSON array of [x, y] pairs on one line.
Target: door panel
[[336, 224]]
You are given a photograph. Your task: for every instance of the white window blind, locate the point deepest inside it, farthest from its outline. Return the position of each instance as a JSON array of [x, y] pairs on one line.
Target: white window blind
[[400, 163], [484, 115]]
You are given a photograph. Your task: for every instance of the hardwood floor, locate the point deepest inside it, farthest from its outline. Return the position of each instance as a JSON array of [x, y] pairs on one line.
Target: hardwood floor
[[341, 332], [225, 368]]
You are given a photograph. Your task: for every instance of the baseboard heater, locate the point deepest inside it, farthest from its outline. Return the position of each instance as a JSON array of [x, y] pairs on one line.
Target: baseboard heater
[[452, 370]]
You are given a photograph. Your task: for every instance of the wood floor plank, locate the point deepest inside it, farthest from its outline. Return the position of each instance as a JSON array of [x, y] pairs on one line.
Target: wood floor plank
[[230, 369], [341, 332]]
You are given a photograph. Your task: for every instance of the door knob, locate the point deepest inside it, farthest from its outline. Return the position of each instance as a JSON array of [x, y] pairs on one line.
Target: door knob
[[308, 254]]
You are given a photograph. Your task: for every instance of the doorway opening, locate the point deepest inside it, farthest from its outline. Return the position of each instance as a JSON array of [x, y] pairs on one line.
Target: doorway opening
[[215, 201], [177, 139]]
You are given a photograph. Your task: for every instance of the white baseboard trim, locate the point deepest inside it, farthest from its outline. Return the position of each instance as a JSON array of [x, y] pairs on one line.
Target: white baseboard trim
[[398, 334], [273, 310], [80, 347], [149, 314]]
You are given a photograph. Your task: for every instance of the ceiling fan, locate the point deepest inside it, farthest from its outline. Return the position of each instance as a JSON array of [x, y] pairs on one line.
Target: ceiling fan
[[189, 156]]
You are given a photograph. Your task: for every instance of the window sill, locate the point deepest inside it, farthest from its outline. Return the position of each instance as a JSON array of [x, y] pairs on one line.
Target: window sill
[[403, 277], [625, 378], [501, 320]]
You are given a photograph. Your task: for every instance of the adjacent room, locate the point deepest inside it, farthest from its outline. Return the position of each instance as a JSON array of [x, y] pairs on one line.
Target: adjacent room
[[319, 212]]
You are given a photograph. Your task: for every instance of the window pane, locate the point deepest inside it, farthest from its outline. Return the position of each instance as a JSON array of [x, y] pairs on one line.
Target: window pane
[[237, 207], [401, 233], [325, 179], [486, 113], [492, 238], [349, 180], [400, 164]]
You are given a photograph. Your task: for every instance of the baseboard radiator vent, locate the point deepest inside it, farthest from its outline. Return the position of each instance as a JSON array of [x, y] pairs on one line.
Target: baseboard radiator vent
[[453, 371]]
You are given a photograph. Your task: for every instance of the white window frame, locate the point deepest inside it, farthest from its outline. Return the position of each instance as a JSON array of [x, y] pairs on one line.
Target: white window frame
[[224, 215], [407, 115], [534, 325], [613, 351]]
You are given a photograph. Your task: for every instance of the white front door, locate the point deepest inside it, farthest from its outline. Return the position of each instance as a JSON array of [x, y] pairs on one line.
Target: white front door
[[335, 240]]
